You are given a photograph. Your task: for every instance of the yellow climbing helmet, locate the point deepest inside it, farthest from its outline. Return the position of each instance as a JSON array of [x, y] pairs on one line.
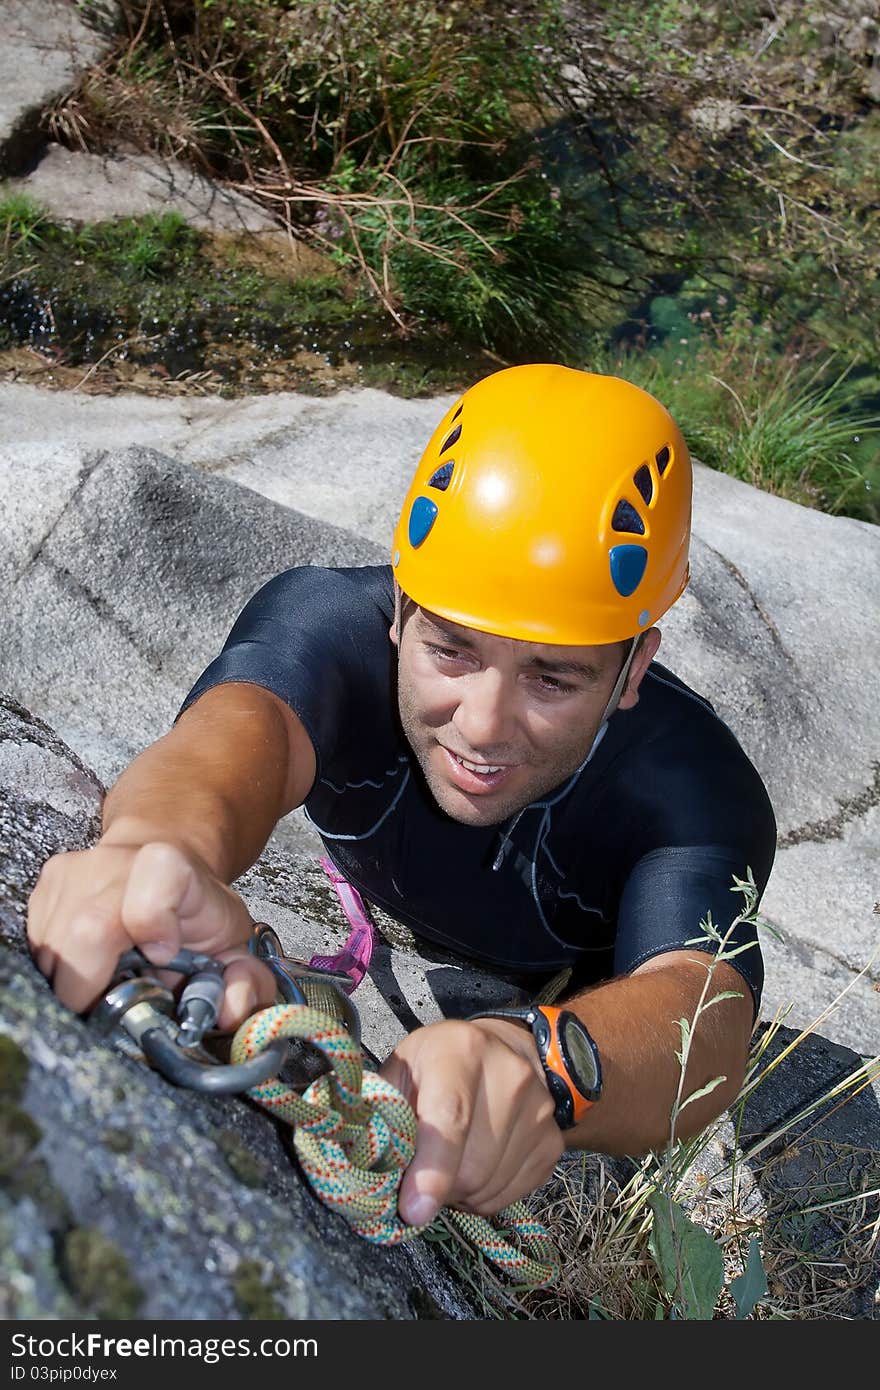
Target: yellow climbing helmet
[[552, 505]]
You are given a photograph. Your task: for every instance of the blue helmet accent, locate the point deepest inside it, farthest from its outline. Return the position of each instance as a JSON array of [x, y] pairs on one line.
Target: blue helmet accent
[[421, 518], [628, 564]]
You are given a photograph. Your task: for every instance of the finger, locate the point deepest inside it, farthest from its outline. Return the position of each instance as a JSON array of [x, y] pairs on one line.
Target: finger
[[47, 960], [41, 904], [248, 986], [87, 956], [513, 1182], [159, 880], [444, 1112], [173, 900]]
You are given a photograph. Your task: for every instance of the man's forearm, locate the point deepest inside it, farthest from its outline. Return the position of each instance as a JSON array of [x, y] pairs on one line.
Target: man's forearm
[[635, 1023], [215, 784]]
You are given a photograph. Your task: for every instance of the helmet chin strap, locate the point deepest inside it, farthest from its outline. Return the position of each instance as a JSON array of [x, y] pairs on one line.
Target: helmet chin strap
[[617, 692]]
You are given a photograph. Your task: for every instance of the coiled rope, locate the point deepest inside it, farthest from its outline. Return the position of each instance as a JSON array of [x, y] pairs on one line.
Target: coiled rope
[[354, 1134]]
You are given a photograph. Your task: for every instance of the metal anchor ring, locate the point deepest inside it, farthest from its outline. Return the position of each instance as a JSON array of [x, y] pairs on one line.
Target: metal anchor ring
[[144, 1008]]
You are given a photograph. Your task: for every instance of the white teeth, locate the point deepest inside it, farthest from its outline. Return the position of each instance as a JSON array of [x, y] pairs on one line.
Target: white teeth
[[482, 768]]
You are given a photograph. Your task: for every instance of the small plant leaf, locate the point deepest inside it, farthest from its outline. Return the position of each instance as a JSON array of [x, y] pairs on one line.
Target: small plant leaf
[[725, 994], [773, 931], [703, 1091], [731, 951], [690, 1263], [750, 1287]]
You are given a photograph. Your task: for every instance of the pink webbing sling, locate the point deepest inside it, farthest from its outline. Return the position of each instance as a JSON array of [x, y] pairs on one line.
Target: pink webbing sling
[[353, 957]]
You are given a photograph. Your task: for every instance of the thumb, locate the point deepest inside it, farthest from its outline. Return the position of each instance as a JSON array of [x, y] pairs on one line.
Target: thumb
[[429, 1178], [441, 1135], [161, 877]]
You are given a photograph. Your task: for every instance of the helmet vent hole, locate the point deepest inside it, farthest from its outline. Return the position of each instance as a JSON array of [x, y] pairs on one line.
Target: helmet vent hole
[[457, 413], [663, 456], [642, 480], [452, 439], [443, 477], [626, 518]]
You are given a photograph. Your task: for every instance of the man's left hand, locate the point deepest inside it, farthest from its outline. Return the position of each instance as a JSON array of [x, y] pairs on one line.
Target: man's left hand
[[486, 1129]]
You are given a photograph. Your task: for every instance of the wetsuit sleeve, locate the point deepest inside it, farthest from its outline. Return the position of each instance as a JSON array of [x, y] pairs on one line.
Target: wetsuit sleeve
[[672, 892], [304, 636]]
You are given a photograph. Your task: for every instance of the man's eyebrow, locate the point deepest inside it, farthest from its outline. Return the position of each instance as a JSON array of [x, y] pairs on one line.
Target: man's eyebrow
[[452, 634], [557, 666], [565, 668]]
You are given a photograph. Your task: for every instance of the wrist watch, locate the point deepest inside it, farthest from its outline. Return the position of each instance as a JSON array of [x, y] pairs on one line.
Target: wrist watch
[[568, 1055]]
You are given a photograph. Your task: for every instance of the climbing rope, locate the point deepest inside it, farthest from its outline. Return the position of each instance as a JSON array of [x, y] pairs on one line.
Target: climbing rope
[[354, 1134]]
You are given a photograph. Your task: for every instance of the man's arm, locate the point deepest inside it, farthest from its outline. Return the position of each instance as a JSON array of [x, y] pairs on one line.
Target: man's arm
[[188, 816], [219, 781], [486, 1130], [634, 1021]]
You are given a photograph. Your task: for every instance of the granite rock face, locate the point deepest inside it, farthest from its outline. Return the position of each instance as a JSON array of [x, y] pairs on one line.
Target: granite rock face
[[74, 187], [120, 1195], [46, 46]]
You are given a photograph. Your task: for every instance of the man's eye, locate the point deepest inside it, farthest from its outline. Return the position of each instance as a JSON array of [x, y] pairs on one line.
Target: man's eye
[[443, 653], [553, 686]]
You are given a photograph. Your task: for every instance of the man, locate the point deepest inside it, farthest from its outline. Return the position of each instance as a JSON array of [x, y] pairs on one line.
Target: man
[[510, 774]]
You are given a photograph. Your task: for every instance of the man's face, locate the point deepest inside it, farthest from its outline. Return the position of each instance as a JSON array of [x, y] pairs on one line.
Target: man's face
[[497, 723]]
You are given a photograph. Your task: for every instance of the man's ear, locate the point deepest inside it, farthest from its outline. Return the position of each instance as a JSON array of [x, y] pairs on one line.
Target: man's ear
[[645, 653], [394, 630]]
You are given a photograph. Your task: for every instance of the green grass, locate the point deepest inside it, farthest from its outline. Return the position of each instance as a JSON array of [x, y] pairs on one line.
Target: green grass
[[20, 221], [146, 247], [154, 292]]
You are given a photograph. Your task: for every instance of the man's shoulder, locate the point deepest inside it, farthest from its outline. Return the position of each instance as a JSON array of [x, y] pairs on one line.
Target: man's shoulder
[[663, 690], [355, 589], [676, 728], [674, 769], [317, 636]]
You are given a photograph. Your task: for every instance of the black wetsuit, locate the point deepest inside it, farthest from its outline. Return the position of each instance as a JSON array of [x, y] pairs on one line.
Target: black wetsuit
[[623, 861]]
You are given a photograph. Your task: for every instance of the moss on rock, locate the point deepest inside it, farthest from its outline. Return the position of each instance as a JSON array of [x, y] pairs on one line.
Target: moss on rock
[[247, 1166], [19, 1134], [253, 1296], [96, 1272], [13, 1069], [118, 1141]]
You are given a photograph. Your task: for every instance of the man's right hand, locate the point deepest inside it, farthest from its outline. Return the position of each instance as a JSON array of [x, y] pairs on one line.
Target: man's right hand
[[89, 906]]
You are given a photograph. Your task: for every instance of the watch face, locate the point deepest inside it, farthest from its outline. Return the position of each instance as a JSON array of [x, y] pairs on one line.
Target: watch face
[[580, 1055]]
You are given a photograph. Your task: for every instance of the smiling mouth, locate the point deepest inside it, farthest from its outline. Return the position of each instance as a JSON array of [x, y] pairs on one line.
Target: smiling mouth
[[473, 779], [480, 768]]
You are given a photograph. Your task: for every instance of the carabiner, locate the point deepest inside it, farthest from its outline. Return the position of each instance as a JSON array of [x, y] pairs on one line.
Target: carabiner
[[144, 1008], [299, 983]]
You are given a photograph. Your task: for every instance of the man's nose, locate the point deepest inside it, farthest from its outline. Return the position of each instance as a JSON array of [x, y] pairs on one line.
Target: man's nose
[[485, 715]]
